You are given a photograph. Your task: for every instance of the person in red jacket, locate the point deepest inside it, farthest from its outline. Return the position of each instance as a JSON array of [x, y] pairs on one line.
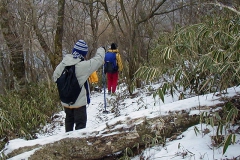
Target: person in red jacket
[[113, 65]]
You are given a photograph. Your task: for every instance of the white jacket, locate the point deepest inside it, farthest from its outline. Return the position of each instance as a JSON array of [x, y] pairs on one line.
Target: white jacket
[[83, 70]]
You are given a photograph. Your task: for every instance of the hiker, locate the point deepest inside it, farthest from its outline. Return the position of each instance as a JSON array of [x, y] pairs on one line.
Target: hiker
[[93, 80], [112, 66], [76, 113]]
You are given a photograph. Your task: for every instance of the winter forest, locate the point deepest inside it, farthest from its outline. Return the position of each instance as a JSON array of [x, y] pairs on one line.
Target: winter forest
[[170, 49]]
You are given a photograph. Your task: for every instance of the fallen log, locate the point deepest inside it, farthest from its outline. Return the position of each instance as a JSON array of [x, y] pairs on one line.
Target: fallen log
[[114, 139]]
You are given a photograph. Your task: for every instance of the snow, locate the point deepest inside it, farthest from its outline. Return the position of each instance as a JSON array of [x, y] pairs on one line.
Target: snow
[[193, 146], [188, 145]]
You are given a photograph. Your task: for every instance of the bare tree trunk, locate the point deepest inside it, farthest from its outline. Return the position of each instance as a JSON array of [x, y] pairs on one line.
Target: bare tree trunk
[[94, 11], [59, 34], [111, 19], [15, 47], [56, 56], [39, 35], [133, 20]]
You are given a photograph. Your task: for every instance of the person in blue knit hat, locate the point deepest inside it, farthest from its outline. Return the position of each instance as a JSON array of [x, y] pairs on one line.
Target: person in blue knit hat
[[76, 113]]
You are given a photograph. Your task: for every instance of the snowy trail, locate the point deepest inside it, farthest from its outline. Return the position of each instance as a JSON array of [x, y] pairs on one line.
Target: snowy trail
[[142, 104]]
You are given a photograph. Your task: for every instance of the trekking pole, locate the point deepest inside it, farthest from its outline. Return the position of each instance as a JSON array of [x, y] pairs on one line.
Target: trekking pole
[[104, 86]]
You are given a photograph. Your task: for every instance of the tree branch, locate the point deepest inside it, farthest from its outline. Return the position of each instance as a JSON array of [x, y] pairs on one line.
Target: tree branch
[[151, 14], [172, 10], [224, 6]]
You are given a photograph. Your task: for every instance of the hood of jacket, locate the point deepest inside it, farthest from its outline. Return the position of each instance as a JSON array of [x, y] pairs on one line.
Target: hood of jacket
[[68, 60], [113, 50]]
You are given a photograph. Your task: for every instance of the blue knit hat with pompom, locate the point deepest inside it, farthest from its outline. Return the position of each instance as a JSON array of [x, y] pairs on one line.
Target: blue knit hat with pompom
[[80, 49]]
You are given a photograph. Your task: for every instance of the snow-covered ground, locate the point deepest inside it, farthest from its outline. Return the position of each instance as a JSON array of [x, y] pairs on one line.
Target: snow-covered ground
[[187, 146]]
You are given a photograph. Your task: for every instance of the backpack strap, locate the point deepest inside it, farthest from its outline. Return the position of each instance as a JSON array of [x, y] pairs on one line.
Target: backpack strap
[[86, 85]]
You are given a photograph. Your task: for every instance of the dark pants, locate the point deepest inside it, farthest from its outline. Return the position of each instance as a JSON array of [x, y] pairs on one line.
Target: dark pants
[[77, 116]]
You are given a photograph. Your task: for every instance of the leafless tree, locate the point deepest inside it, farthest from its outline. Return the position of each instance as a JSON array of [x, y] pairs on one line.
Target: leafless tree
[[54, 55], [15, 46]]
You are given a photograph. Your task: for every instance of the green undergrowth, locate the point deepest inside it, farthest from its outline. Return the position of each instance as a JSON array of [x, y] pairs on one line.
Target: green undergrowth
[[24, 113]]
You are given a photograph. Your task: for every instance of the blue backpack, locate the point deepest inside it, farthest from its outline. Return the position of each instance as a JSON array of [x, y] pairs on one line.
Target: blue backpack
[[110, 65], [68, 86]]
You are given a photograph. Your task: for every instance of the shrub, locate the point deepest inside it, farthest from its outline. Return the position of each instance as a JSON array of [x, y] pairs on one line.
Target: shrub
[[24, 113]]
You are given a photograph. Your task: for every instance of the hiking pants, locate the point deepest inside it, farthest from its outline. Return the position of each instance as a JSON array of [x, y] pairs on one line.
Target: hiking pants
[[77, 116], [112, 81]]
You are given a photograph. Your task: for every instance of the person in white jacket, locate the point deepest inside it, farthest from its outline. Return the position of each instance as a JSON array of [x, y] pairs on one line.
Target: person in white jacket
[[76, 113]]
